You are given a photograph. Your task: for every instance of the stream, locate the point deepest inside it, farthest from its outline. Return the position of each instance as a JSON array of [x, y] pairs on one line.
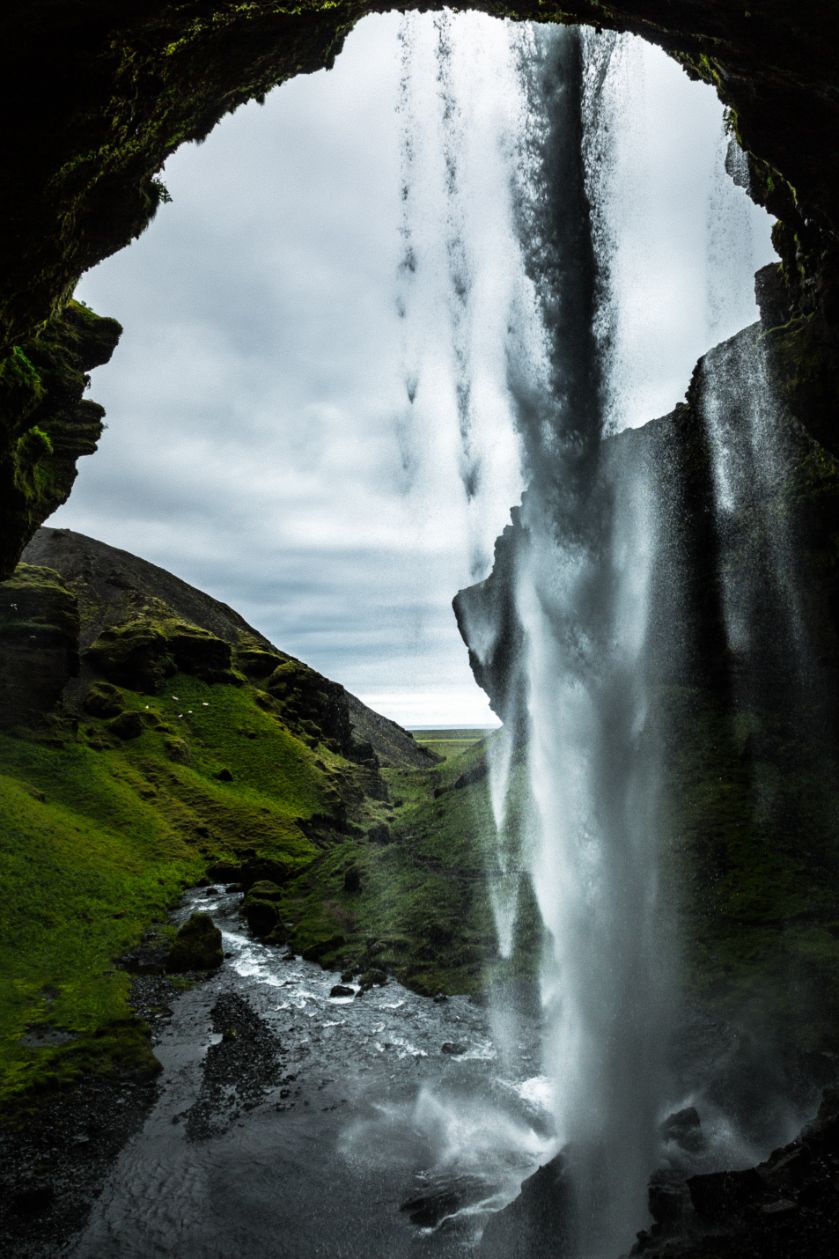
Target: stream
[[290, 1123]]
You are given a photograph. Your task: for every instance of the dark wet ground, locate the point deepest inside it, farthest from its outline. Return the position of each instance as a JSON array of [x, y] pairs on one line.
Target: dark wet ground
[[291, 1125]]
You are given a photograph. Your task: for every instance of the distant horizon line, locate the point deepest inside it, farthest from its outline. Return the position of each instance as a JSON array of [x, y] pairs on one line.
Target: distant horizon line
[[445, 725]]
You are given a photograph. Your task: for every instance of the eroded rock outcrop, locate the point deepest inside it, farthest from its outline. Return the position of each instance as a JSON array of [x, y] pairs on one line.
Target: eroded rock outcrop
[[39, 644]]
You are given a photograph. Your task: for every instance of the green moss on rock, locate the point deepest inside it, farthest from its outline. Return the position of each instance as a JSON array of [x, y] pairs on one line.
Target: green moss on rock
[[45, 422], [197, 946], [103, 700]]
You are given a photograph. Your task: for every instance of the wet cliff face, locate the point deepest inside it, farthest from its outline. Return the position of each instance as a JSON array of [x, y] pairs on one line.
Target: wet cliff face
[[741, 661], [102, 94]]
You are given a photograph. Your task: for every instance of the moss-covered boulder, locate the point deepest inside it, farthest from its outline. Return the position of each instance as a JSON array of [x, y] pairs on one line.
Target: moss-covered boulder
[[197, 946], [102, 699], [261, 910], [265, 890], [126, 725]]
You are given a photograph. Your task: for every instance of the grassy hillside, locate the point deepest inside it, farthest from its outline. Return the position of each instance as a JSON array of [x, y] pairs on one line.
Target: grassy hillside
[[419, 905], [179, 744]]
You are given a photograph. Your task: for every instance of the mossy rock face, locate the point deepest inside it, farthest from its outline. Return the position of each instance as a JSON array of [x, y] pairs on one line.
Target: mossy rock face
[[201, 654], [144, 652], [39, 638], [45, 420], [135, 656], [313, 704], [256, 662], [197, 946], [102, 699]]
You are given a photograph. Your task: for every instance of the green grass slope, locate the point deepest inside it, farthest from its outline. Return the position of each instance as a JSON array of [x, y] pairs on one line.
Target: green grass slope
[[100, 837], [177, 741]]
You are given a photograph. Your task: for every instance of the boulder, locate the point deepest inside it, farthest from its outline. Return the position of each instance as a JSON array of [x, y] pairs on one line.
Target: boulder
[[720, 1194], [341, 990], [103, 700], [262, 916], [373, 978], [540, 1221], [127, 725], [443, 1196], [684, 1128], [265, 890], [197, 946]]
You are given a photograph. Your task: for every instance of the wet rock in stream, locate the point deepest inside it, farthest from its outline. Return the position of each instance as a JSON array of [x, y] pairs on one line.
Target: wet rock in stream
[[237, 1072]]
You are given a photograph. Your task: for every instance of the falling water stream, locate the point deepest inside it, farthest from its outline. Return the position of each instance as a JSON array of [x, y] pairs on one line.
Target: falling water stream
[[566, 254]]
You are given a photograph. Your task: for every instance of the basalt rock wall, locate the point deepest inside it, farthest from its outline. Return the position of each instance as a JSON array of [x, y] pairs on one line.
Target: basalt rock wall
[[99, 95]]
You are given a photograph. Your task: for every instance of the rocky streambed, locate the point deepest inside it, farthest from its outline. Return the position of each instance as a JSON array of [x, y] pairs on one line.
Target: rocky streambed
[[299, 1115], [292, 1122]]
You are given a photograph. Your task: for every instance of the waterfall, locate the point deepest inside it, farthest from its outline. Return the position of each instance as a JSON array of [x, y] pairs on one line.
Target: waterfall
[[580, 593], [549, 264], [458, 105]]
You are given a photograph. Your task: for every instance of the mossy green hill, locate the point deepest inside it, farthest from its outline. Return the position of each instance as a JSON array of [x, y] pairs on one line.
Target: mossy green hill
[[152, 739]]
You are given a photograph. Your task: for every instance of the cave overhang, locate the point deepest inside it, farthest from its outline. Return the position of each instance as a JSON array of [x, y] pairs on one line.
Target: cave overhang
[[100, 95]]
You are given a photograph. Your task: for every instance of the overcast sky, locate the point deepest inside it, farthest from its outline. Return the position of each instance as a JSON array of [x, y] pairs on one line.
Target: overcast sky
[[256, 405]]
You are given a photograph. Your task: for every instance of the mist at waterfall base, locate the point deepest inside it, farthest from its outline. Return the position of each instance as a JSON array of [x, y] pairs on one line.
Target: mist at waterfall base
[[566, 242]]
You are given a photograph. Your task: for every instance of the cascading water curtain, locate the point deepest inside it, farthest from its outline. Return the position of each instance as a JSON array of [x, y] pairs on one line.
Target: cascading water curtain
[[532, 206], [460, 284], [463, 296], [581, 597]]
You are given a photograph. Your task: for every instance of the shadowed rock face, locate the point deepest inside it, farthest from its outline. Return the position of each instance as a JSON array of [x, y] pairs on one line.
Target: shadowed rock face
[[39, 628], [102, 94], [751, 886]]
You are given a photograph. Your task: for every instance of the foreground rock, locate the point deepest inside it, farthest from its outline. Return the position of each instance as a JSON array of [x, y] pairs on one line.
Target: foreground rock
[[197, 946], [539, 1222], [785, 1208]]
